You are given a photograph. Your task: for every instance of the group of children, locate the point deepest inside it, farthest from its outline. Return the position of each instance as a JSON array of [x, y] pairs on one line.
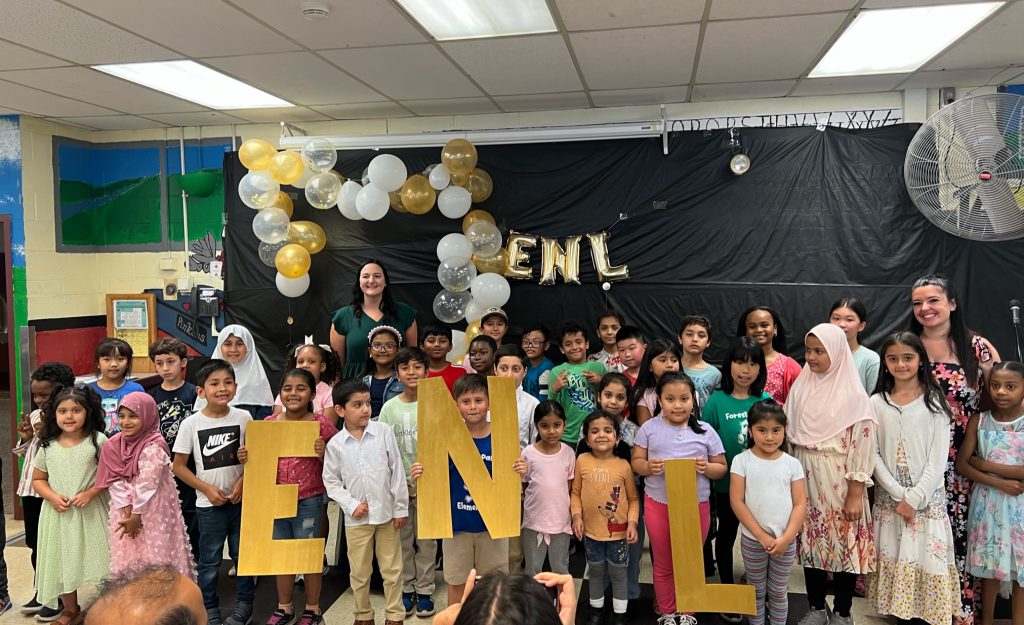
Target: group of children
[[784, 458]]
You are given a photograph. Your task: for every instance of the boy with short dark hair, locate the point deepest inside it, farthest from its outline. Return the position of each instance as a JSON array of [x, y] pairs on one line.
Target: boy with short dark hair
[[632, 345], [213, 436], [436, 341], [574, 382], [694, 339], [538, 367], [481, 354], [608, 325]]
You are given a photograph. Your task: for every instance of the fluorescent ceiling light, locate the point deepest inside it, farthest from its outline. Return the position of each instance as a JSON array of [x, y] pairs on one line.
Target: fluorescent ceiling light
[[891, 41], [196, 83], [472, 19]]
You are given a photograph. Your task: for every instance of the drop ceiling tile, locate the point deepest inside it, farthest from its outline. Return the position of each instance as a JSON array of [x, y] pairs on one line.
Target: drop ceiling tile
[[13, 56], [279, 114], [364, 110], [418, 72], [634, 97], [745, 9], [39, 103], [838, 85], [351, 23], [102, 89], [516, 65], [1009, 76], [193, 27], [113, 122], [208, 118], [742, 90], [749, 50], [612, 14], [636, 57], [298, 77], [995, 43], [457, 106], [543, 102], [951, 78], [66, 32]]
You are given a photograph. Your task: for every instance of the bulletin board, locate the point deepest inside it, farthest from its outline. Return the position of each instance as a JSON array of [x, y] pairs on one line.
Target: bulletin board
[[132, 318]]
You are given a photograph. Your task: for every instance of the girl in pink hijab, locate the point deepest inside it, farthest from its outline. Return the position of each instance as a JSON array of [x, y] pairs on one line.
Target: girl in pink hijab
[[146, 526], [832, 431]]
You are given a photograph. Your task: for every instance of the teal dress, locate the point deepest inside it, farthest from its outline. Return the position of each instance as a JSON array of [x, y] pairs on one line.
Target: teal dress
[[355, 332]]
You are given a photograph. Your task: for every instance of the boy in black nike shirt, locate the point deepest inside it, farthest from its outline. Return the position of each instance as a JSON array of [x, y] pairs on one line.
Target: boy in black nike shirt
[[212, 437]]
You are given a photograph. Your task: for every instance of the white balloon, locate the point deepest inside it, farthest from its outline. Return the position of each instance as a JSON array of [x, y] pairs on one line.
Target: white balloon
[[439, 177], [454, 202], [318, 154], [347, 200], [453, 245], [292, 287], [474, 310], [490, 289], [258, 189], [458, 345], [387, 172], [372, 203]]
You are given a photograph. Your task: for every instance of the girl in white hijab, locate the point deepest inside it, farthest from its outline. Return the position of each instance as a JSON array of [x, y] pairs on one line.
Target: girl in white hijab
[[252, 389], [832, 430]]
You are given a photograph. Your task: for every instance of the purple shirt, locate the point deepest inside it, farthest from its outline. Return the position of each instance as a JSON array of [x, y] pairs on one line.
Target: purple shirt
[[665, 441]]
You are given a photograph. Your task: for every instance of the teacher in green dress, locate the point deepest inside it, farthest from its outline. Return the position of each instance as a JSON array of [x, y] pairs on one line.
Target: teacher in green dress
[[372, 305]]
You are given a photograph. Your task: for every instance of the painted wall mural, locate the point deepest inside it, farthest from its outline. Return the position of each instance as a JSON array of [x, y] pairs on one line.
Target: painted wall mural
[[11, 204]]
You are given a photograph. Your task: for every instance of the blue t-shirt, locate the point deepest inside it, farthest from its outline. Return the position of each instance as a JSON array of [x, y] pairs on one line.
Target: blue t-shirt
[[110, 401], [706, 380], [536, 381], [465, 517]]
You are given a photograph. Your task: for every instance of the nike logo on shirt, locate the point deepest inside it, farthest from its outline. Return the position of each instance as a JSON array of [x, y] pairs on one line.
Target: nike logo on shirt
[[217, 442]]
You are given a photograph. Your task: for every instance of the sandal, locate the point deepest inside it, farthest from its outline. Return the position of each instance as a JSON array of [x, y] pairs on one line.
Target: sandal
[[73, 618]]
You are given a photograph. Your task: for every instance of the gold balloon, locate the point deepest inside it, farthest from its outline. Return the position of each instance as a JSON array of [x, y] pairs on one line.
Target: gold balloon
[[395, 199], [286, 167], [474, 216], [417, 195], [516, 255], [460, 178], [284, 202], [308, 234], [606, 272], [480, 185], [459, 155], [292, 261], [556, 259], [473, 330], [495, 264], [256, 154]]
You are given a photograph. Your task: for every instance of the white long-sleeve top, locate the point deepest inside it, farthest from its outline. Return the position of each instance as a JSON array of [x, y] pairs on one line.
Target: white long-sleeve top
[[367, 470], [925, 438]]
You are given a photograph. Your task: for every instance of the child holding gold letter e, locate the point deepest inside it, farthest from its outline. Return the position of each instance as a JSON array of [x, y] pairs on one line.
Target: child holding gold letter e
[[363, 472], [471, 546]]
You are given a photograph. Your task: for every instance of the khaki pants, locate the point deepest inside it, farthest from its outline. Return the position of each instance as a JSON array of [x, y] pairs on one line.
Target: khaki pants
[[361, 542], [419, 558]]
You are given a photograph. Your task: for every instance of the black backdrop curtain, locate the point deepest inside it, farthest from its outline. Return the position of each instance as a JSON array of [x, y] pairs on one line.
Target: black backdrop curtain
[[820, 215]]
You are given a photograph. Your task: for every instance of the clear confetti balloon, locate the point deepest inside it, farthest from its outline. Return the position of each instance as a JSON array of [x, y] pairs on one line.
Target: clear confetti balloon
[[319, 155]]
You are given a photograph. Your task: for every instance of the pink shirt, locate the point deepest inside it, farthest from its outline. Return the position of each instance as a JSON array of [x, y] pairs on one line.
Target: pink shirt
[[781, 374], [307, 472], [321, 400], [546, 502]]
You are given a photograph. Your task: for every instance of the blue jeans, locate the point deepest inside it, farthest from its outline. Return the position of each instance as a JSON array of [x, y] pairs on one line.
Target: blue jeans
[[217, 524], [307, 520], [614, 552]]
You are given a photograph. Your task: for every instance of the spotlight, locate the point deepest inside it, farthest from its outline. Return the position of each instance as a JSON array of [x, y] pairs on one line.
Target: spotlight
[[739, 163]]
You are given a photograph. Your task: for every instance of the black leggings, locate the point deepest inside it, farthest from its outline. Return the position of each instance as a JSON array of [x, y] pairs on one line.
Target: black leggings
[[728, 525], [32, 507], [843, 583]]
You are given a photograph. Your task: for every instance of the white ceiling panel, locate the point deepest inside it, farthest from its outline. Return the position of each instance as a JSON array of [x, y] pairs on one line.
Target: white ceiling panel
[[892, 4], [45, 104], [13, 56], [194, 27], [417, 72], [501, 66], [611, 14], [997, 42], [1009, 76], [745, 9], [742, 90], [298, 77], [461, 106], [839, 85], [351, 23], [637, 57], [364, 110], [283, 114], [754, 50], [543, 102], [951, 78], [114, 122], [209, 118], [631, 97], [68, 33], [93, 86]]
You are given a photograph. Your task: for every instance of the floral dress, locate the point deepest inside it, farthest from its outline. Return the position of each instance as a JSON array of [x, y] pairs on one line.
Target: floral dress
[[964, 400], [826, 541]]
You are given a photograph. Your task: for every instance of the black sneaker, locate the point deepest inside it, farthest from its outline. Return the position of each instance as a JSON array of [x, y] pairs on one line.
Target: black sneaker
[[32, 607], [48, 615], [280, 617]]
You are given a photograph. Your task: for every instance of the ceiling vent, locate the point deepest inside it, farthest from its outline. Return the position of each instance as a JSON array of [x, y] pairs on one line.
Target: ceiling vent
[[315, 11]]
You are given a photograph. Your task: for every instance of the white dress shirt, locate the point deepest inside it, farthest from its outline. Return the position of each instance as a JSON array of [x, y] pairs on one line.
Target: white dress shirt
[[367, 470]]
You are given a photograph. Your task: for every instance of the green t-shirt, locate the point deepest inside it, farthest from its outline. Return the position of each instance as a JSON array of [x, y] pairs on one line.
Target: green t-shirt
[[355, 333], [578, 397], [728, 416], [401, 417]]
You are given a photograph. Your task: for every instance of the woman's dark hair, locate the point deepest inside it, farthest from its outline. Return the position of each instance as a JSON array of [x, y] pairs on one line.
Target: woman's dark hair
[[332, 366], [387, 303], [934, 398], [960, 336], [546, 407], [307, 377], [95, 418], [779, 342], [764, 410], [346, 389], [645, 378], [614, 377], [370, 367], [502, 599], [112, 348], [853, 304], [744, 349], [594, 416], [678, 377]]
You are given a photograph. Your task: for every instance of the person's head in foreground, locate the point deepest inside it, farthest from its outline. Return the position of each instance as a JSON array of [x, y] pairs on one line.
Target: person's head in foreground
[[501, 599], [155, 595]]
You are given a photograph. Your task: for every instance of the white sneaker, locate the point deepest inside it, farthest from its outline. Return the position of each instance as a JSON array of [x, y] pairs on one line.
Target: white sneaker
[[842, 620], [817, 617], [686, 619], [667, 619], [232, 571]]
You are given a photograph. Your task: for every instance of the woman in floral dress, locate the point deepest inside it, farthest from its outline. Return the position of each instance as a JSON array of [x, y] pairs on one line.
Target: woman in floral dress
[[960, 360]]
